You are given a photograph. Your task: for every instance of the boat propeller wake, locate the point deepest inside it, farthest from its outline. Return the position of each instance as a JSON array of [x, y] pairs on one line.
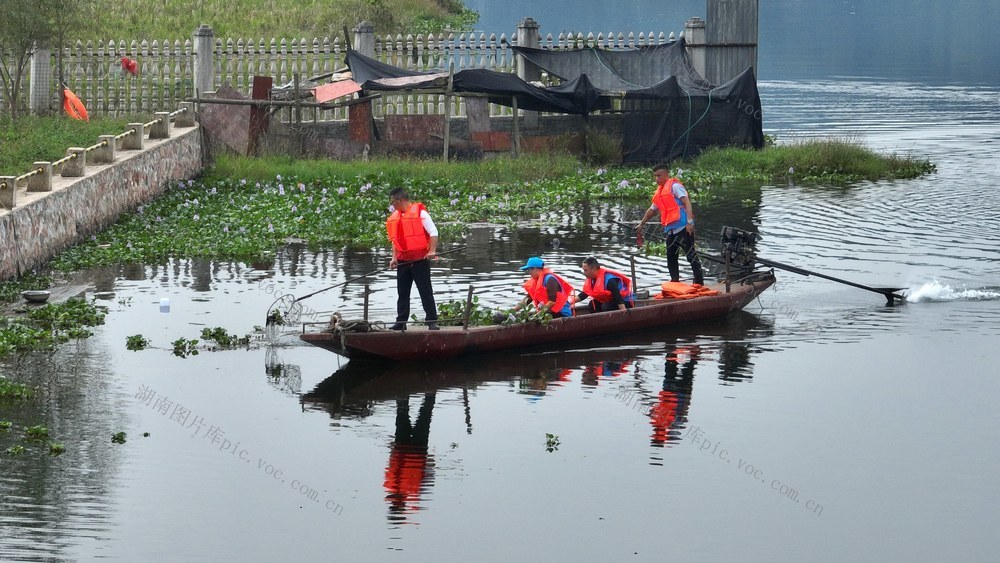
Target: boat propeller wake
[[936, 291]]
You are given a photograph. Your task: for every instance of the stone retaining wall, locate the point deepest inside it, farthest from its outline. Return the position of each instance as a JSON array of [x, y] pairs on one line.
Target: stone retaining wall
[[43, 224]]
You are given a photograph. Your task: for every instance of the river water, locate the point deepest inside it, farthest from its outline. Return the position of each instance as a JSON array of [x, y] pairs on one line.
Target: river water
[[820, 424]]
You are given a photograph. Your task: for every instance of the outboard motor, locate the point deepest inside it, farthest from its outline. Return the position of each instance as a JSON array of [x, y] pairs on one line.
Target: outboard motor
[[739, 246]]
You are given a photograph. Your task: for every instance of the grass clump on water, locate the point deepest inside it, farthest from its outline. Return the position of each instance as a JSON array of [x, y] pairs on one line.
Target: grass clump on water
[[838, 161], [42, 328]]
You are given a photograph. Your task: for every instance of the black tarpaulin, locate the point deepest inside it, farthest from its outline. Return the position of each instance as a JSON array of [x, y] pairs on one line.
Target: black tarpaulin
[[664, 122], [578, 97], [620, 71], [668, 110]]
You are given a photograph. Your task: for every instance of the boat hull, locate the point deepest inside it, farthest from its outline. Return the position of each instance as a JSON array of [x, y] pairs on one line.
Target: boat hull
[[452, 342]]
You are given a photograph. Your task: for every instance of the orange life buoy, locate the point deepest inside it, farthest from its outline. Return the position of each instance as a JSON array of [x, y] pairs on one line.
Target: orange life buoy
[[73, 106]]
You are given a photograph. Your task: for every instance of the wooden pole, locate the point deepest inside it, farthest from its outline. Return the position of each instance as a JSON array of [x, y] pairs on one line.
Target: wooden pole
[[447, 109], [631, 260], [368, 290], [468, 310], [516, 145]]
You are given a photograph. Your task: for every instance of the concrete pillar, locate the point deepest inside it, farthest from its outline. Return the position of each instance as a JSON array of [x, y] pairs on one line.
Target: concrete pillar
[[105, 154], [694, 39], [732, 32], [364, 39], [527, 36], [8, 193], [204, 67], [41, 182], [161, 128], [75, 167], [186, 117], [39, 96], [133, 142]]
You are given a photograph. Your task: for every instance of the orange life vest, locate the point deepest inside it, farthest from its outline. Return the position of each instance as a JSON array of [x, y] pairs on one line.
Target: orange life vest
[[409, 238], [664, 200], [540, 295], [596, 290], [681, 290]]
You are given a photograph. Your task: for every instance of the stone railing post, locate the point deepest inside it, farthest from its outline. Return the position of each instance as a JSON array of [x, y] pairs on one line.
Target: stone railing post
[[41, 182], [41, 82], [75, 167], [694, 39], [204, 67], [8, 193], [161, 127], [364, 39], [134, 141], [186, 117], [106, 153]]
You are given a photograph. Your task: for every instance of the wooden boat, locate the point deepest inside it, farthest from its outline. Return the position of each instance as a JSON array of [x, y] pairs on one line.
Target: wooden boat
[[419, 343]]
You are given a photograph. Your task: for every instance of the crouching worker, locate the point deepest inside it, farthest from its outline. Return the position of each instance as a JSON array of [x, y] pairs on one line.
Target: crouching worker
[[609, 290], [547, 290]]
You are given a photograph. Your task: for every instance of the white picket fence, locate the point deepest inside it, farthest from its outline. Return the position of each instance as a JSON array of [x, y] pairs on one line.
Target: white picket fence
[[165, 77]]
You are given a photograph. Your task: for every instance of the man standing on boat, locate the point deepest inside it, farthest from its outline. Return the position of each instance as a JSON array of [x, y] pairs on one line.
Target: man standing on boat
[[608, 289], [546, 289], [676, 216], [414, 243]]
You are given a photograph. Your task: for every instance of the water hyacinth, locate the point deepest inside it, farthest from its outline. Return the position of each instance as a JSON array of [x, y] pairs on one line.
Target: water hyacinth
[[258, 218]]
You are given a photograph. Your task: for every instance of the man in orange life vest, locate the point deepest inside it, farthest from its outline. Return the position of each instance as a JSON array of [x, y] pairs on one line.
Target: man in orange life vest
[[677, 218], [546, 289], [414, 241], [609, 290]]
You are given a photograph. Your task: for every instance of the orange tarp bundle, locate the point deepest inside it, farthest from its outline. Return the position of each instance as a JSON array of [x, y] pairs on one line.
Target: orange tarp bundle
[[681, 290]]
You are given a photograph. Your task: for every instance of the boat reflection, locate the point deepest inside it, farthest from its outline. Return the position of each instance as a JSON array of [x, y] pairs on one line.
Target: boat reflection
[[620, 363]]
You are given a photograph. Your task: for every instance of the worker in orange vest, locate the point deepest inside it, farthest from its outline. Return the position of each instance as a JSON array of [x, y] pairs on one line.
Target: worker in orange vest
[[609, 290], [672, 201], [414, 243], [546, 289]]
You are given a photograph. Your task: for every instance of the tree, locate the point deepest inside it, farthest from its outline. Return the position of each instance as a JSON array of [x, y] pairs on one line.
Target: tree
[[26, 28]]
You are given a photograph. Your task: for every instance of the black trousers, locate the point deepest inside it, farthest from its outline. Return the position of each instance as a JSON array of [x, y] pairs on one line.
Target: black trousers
[[683, 240], [419, 273]]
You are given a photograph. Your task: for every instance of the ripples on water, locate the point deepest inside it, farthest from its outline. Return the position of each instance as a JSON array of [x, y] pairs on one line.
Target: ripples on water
[[423, 444]]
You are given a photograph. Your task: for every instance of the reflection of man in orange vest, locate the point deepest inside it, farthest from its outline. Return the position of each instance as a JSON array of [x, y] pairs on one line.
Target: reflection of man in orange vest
[[669, 414], [672, 201], [608, 289], [414, 242], [546, 289], [410, 468]]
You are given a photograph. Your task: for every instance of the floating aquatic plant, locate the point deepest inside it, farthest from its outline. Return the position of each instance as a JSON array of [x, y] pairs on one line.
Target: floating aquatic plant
[[136, 342], [551, 442], [184, 347]]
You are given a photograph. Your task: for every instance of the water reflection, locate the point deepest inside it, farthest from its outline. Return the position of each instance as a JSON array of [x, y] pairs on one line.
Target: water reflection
[[669, 414], [410, 470]]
